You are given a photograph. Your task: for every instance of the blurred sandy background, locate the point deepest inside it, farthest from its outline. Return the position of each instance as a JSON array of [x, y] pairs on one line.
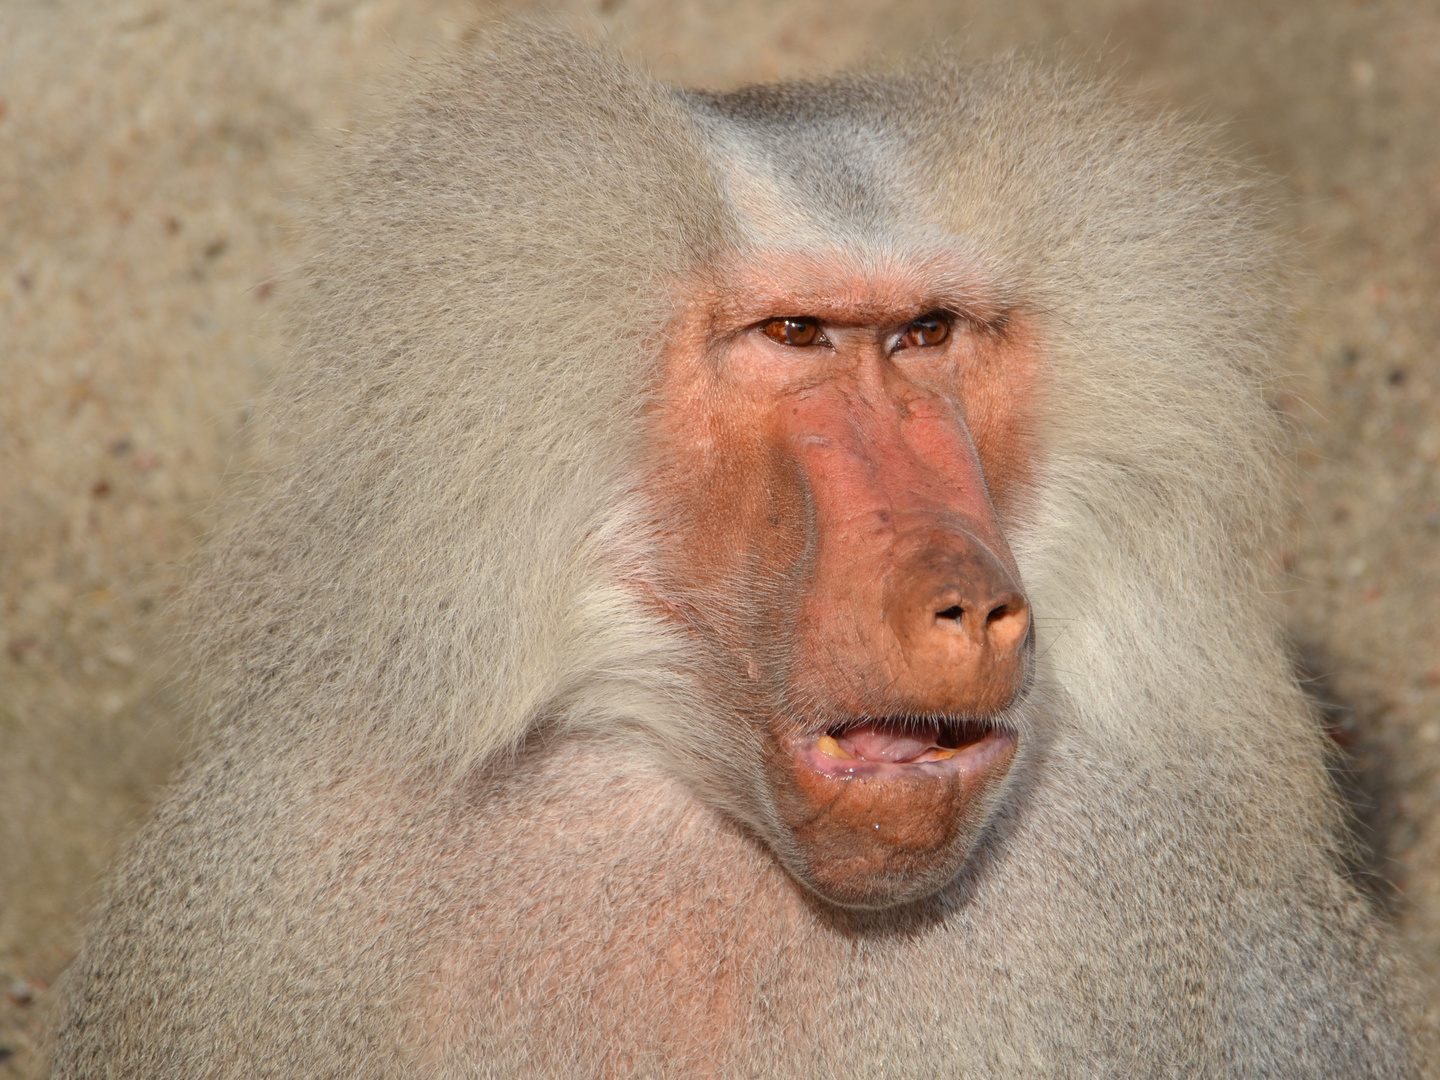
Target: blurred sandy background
[[155, 158]]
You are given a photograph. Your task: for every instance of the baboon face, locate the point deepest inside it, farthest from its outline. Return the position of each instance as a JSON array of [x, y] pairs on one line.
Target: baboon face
[[838, 439]]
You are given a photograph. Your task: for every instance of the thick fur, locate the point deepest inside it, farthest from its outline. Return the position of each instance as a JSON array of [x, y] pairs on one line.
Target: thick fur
[[456, 813]]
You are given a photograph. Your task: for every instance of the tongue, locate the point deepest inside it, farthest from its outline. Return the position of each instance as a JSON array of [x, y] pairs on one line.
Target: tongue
[[873, 743]]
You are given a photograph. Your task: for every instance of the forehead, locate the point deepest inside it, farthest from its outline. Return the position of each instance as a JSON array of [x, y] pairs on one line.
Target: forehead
[[802, 163], [829, 211]]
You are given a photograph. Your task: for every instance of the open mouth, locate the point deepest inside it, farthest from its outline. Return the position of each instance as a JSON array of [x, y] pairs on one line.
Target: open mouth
[[882, 810], [902, 747]]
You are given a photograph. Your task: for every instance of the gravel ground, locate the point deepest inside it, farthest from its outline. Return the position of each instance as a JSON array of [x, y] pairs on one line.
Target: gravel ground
[[156, 155]]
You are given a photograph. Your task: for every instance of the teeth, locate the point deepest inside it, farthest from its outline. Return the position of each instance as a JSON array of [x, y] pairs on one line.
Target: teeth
[[830, 748], [938, 753]]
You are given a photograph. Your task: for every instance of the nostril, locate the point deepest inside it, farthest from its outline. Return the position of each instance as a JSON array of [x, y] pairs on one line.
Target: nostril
[[1008, 624], [953, 612]]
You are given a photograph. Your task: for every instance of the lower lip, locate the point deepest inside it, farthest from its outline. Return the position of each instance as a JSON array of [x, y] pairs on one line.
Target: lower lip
[[973, 757]]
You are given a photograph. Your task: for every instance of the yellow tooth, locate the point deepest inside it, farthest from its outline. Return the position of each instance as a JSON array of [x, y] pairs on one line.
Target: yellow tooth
[[830, 748], [938, 753]]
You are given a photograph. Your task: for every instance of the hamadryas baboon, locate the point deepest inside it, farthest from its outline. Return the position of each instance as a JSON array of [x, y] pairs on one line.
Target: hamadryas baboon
[[765, 584]]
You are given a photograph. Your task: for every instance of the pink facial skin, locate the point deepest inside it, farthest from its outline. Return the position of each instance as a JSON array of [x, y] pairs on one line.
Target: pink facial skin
[[834, 534]]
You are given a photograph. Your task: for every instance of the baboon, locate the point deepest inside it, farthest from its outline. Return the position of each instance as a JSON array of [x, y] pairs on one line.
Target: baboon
[[766, 583]]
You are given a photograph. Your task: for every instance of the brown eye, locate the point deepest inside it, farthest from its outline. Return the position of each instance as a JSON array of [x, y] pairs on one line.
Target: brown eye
[[927, 330], [795, 331]]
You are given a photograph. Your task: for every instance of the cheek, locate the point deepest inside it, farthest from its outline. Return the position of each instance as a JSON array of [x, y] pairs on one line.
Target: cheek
[[1000, 399], [728, 514]]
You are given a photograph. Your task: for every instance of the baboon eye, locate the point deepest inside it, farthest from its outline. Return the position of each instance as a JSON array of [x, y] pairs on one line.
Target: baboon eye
[[929, 329], [794, 331]]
